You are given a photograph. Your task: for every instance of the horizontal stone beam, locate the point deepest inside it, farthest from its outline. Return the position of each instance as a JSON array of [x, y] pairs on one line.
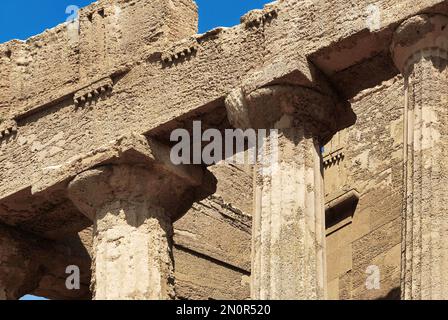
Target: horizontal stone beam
[[44, 209], [274, 45], [108, 33], [132, 149]]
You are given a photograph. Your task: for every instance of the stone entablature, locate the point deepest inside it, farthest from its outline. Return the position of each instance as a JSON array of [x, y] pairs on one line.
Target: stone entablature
[[59, 130]]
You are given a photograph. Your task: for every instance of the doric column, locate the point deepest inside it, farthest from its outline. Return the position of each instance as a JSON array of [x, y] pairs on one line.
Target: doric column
[[420, 52], [132, 209], [288, 246]]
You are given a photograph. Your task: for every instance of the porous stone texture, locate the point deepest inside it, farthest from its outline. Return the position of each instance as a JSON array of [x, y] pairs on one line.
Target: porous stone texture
[[356, 99], [288, 233], [108, 34], [421, 52], [368, 232], [132, 246], [288, 224], [210, 264]]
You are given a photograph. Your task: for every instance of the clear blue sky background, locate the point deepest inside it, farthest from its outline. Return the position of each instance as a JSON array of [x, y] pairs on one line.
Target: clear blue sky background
[[20, 19]]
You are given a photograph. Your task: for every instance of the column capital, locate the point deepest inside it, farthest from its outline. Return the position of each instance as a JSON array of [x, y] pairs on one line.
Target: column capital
[[420, 36], [96, 188], [282, 107], [132, 208], [132, 167]]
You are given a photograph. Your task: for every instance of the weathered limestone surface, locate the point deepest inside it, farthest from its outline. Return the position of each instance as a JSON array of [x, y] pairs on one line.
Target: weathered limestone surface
[[132, 233], [70, 102], [420, 50], [269, 53], [111, 33], [288, 238], [367, 233], [211, 264], [133, 206], [216, 277], [198, 278]]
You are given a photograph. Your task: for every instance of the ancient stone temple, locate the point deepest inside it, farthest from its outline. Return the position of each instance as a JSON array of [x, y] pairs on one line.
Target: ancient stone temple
[[355, 207]]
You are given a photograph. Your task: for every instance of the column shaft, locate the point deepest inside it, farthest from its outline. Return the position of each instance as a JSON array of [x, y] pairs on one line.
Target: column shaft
[[132, 252], [420, 52], [425, 222], [289, 229], [288, 243], [131, 210]]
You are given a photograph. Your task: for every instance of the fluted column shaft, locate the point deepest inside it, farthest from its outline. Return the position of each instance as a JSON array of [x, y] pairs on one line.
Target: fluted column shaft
[[132, 252], [132, 232], [289, 230], [288, 241], [420, 51]]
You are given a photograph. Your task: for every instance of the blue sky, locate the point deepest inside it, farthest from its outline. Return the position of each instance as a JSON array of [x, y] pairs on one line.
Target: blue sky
[[20, 19]]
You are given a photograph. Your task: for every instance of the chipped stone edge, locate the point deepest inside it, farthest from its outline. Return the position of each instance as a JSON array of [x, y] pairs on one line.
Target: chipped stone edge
[[149, 152], [7, 129]]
